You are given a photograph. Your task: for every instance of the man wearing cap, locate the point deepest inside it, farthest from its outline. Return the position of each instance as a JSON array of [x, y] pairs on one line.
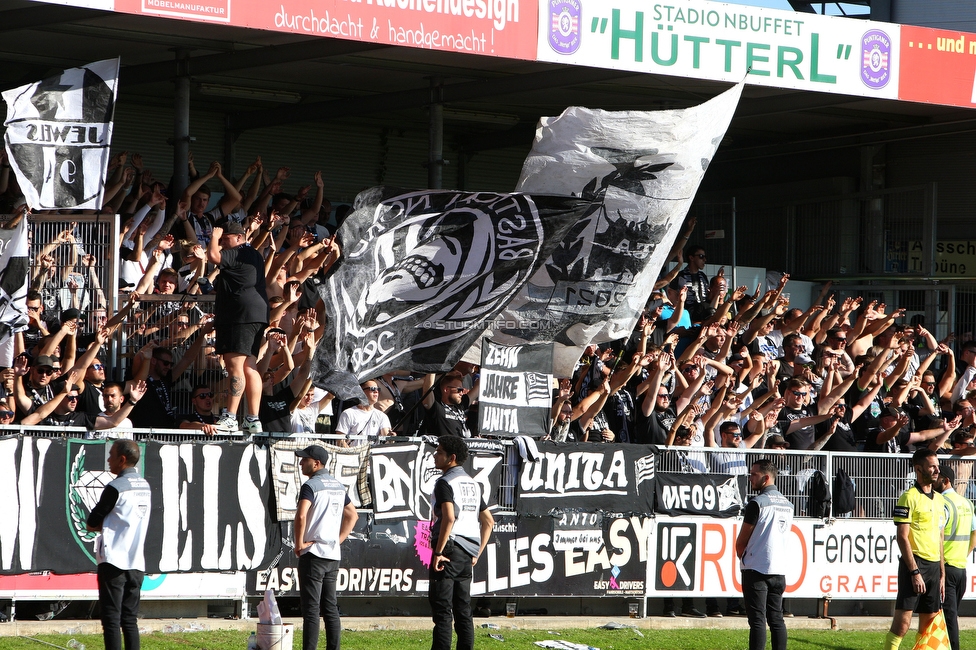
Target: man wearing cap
[[122, 517], [241, 316], [459, 532], [959, 539], [61, 410], [32, 386], [324, 518]]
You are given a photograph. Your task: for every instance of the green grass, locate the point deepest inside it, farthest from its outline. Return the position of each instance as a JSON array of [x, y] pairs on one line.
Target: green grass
[[514, 640]]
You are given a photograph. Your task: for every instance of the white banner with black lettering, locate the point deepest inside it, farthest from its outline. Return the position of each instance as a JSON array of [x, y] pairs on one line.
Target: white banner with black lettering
[[58, 135], [642, 170], [588, 477], [714, 495], [350, 466], [854, 559], [515, 390], [402, 476]]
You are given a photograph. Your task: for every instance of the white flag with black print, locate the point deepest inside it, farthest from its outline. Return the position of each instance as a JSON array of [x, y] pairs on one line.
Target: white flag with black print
[[14, 279], [641, 170], [58, 135]]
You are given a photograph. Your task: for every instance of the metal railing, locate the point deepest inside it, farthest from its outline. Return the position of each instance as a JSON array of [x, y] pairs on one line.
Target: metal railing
[[506, 490], [879, 479]]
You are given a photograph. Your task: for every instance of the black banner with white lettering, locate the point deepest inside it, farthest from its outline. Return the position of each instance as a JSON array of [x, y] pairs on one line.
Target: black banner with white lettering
[[211, 505], [588, 477], [525, 557], [402, 476], [515, 395], [714, 495], [423, 272]]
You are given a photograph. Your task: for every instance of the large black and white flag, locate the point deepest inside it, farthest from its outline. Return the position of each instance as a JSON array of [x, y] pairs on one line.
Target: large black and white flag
[[424, 272], [58, 136], [641, 170], [515, 390], [14, 280]]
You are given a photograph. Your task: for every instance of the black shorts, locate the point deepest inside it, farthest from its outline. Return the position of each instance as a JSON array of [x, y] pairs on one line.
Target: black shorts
[[928, 603], [242, 338]]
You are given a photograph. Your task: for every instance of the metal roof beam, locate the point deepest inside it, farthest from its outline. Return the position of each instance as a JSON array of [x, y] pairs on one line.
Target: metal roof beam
[[44, 16], [791, 148], [420, 97], [316, 48]]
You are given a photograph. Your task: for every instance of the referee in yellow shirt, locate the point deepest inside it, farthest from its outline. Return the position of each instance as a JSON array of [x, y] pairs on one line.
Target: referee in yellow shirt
[[960, 537], [919, 519]]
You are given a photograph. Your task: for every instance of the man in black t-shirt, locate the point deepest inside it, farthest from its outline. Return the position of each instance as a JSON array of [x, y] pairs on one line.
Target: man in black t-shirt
[[241, 316], [798, 419], [447, 416], [60, 410], [653, 428], [202, 417], [693, 276]]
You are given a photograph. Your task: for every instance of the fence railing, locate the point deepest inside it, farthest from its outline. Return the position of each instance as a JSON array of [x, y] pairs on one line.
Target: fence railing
[[879, 479]]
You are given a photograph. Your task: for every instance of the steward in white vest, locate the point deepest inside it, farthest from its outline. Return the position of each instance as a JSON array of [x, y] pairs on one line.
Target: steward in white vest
[[122, 517], [459, 532]]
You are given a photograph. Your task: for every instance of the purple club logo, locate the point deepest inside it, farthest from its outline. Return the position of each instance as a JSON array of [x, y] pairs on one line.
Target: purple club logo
[[564, 25], [875, 59]]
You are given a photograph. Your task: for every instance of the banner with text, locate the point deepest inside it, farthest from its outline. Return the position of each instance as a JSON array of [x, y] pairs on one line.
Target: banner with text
[[712, 495], [525, 557], [516, 390], [211, 505], [350, 466], [587, 477], [402, 476], [700, 39], [59, 131], [485, 27], [846, 559]]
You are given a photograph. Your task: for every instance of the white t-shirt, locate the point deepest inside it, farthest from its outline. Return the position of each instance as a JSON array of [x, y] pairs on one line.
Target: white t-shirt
[[358, 422]]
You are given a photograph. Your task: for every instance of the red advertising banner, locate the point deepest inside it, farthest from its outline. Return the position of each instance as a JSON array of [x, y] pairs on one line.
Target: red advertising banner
[[937, 66], [506, 28]]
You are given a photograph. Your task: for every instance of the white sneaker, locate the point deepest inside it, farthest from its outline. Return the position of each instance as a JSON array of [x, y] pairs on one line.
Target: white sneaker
[[252, 427], [227, 422]]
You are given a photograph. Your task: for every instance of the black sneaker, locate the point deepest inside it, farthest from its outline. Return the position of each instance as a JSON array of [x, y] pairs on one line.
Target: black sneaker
[[715, 614], [735, 611], [692, 613], [668, 613]]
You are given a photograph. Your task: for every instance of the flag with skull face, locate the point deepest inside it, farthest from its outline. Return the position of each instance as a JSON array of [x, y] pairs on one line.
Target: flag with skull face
[[58, 135], [423, 272]]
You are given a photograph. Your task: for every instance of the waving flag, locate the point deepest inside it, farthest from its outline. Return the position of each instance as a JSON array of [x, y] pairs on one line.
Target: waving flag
[[58, 136], [14, 279], [640, 170], [423, 273]]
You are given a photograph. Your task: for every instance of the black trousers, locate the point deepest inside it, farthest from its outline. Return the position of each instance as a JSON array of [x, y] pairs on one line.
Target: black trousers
[[317, 578], [118, 598], [955, 589], [449, 595], [763, 596]]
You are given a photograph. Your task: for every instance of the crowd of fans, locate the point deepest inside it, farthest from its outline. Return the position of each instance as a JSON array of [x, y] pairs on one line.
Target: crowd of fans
[[708, 365]]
